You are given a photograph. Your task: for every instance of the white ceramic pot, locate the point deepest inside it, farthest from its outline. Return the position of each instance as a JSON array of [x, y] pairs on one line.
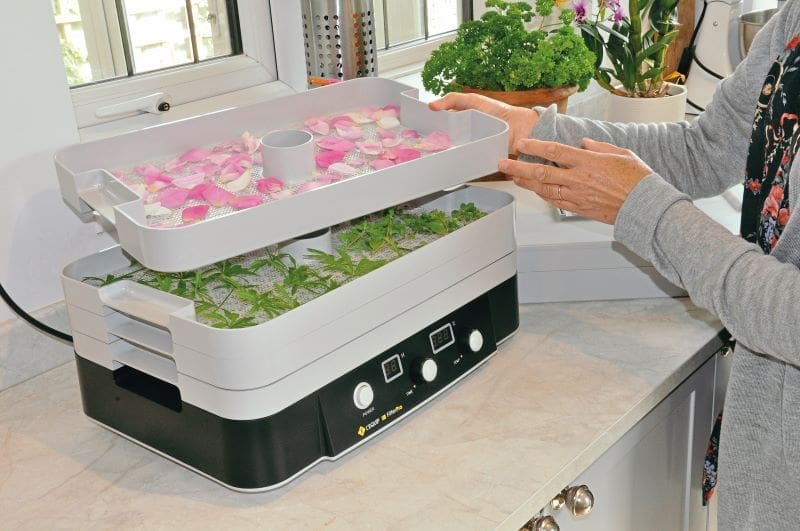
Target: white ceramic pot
[[670, 108]]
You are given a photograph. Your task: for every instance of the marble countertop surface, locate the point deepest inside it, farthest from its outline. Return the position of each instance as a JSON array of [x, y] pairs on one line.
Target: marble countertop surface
[[487, 454]]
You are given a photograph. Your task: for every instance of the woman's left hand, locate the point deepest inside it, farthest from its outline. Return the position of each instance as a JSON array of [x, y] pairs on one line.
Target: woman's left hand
[[592, 182]]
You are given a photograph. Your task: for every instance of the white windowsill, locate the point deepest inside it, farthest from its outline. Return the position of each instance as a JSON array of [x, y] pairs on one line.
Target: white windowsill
[[239, 98]]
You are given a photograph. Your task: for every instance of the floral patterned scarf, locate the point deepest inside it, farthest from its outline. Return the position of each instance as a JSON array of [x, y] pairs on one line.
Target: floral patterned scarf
[[765, 206]]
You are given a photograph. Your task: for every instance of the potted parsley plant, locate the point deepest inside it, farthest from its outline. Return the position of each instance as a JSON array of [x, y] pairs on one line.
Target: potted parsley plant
[[499, 56]]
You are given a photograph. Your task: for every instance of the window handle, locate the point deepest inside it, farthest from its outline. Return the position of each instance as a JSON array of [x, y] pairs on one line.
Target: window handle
[[157, 103]]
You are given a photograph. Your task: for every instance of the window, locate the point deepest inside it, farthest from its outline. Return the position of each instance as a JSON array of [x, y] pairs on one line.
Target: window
[[119, 50], [408, 30], [109, 39], [410, 21]]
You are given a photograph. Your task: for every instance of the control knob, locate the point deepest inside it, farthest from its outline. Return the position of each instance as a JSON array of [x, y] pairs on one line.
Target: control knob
[[424, 370], [363, 395], [475, 341]]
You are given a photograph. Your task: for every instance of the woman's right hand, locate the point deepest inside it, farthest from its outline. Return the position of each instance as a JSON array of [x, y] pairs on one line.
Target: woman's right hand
[[520, 120]]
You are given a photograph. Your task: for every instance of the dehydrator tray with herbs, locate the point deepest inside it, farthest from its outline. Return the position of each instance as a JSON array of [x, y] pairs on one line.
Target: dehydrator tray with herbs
[[194, 192], [132, 322]]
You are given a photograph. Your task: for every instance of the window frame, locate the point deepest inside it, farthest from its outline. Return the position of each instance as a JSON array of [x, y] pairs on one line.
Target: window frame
[[407, 58], [193, 82]]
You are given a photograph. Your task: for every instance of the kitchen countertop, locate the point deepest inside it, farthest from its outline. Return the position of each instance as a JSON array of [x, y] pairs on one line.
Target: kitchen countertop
[[489, 453]]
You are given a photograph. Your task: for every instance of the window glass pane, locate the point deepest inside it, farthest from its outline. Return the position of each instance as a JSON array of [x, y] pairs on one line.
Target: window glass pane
[[443, 16], [211, 28], [86, 58], [99, 43], [159, 34], [406, 21]]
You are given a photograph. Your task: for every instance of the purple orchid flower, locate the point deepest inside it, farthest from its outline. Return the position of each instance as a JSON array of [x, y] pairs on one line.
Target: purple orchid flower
[[581, 8]]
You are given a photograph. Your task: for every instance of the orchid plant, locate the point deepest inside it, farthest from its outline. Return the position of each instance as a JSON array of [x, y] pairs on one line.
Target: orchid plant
[[635, 44]]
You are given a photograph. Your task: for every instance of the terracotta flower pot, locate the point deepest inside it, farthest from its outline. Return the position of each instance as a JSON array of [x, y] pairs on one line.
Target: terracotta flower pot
[[530, 98]]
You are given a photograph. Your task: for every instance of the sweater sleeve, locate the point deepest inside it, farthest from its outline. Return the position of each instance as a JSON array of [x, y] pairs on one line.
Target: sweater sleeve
[[703, 158], [753, 294]]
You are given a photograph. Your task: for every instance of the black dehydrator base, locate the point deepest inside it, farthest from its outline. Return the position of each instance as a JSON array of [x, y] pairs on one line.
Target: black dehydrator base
[[263, 453]]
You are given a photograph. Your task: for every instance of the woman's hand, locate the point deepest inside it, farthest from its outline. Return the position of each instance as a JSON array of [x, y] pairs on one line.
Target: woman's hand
[[520, 120], [592, 182]]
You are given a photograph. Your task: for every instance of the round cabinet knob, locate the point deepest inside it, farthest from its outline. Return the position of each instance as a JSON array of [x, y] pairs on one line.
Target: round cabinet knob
[[475, 341], [558, 502], [363, 395], [542, 523], [579, 500], [425, 370]]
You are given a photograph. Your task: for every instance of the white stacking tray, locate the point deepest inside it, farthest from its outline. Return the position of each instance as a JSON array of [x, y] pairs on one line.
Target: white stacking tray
[[253, 372], [479, 142]]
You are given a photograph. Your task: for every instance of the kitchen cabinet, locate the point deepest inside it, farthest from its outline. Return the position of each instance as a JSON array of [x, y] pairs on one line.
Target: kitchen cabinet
[[652, 477]]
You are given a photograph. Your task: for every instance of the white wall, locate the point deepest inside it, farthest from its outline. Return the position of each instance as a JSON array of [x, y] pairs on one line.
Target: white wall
[[38, 234]]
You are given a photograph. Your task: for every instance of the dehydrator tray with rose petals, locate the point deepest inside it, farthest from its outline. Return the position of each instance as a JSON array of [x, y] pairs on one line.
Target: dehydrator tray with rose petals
[[190, 193], [255, 405]]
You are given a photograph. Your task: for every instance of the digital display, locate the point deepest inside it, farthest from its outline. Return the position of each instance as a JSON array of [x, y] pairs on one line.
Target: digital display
[[392, 368], [442, 338]]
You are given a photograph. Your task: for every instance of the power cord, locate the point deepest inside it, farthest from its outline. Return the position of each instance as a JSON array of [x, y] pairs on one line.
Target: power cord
[[32, 320]]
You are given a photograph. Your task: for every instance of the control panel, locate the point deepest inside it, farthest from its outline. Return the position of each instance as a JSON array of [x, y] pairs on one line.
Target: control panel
[[382, 390]]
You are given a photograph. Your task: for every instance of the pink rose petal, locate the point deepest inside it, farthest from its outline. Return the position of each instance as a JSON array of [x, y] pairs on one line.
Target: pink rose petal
[[157, 186], [370, 147], [388, 122], [258, 158], [148, 170], [380, 164], [360, 118], [342, 169], [307, 186], [174, 165], [207, 169], [358, 160], [246, 201], [218, 158], [326, 158], [194, 155], [283, 194], [251, 143], [241, 183], [436, 141], [391, 142], [383, 133], [410, 133], [189, 181], [173, 197], [401, 154], [318, 125], [231, 172], [269, 185], [242, 160], [217, 196], [342, 120], [335, 144], [349, 132], [196, 193], [327, 178], [392, 110], [194, 213]]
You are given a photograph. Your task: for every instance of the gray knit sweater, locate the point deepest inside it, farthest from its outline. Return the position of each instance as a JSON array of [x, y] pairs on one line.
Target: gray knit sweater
[[753, 294]]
